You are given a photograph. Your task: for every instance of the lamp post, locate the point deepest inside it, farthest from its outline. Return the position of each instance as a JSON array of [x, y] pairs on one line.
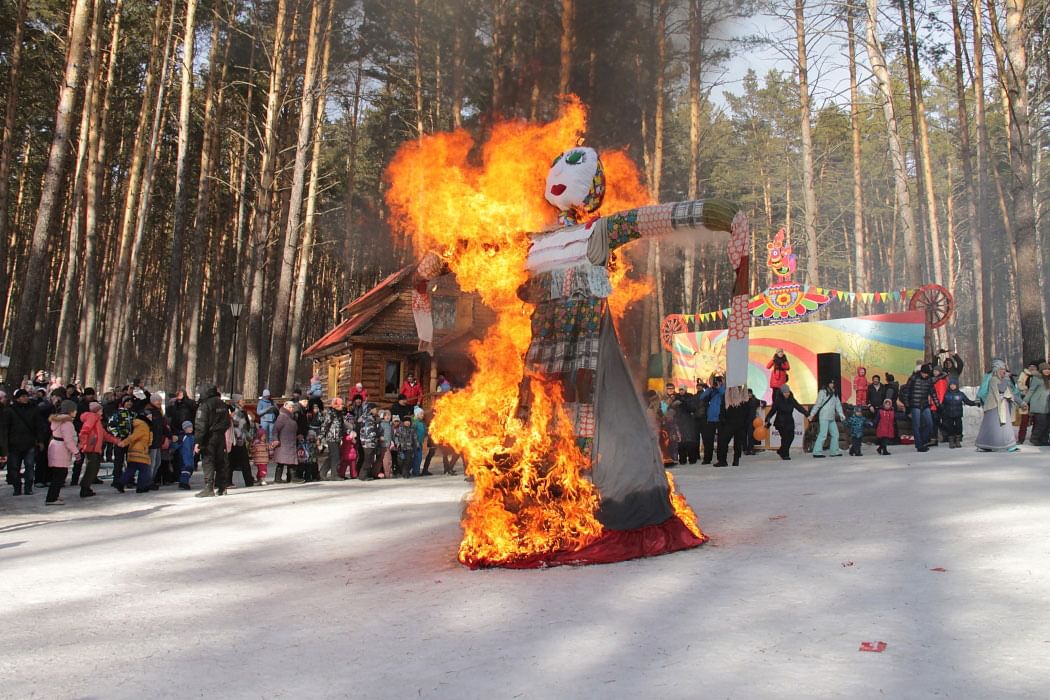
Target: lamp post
[[235, 310]]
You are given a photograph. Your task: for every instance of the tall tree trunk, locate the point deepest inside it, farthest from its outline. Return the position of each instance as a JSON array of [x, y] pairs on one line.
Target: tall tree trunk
[[695, 107], [417, 46], [966, 156], [14, 77], [306, 254], [456, 97], [809, 193], [279, 343], [912, 251], [72, 292], [22, 361], [117, 299], [1033, 339], [264, 203], [859, 249], [95, 184], [209, 155], [927, 158], [498, 21], [987, 298], [172, 313], [568, 21], [132, 302]]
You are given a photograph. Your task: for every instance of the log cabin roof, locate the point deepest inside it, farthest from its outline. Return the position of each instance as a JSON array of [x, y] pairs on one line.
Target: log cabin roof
[[375, 294], [351, 325]]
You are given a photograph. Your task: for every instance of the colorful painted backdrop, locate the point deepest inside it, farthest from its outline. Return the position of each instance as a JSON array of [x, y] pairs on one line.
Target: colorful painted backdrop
[[884, 343]]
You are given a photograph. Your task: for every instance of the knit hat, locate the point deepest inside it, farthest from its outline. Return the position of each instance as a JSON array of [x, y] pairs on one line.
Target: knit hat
[[998, 364], [858, 408], [187, 424], [266, 393], [1043, 366], [20, 392], [417, 412], [953, 380], [94, 406], [68, 406], [925, 369], [785, 389], [139, 394]]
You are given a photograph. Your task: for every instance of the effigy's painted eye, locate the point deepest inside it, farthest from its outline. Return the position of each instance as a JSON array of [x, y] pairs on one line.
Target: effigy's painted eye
[[574, 158]]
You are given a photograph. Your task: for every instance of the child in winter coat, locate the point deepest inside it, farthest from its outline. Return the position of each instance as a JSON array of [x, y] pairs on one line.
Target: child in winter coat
[[860, 387], [262, 454], [184, 454], [952, 412], [406, 444], [62, 451], [856, 425], [386, 445], [138, 456], [348, 456], [886, 427], [93, 438], [306, 451]]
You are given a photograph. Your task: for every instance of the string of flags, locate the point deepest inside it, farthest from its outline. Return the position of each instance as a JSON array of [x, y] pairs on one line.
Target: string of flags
[[897, 295]]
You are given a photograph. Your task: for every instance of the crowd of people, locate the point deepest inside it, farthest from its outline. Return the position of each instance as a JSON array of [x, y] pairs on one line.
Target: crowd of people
[[51, 432], [926, 410], [52, 435]]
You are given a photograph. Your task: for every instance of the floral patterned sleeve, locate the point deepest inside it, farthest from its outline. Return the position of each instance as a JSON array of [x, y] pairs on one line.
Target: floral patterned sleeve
[[622, 228]]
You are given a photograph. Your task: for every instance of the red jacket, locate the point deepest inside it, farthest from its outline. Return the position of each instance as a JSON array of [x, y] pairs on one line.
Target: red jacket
[[92, 435], [940, 388], [860, 390], [414, 394], [887, 419], [779, 375]]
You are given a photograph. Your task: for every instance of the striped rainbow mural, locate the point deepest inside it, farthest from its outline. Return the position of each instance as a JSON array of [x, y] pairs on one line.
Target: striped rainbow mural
[[883, 343]]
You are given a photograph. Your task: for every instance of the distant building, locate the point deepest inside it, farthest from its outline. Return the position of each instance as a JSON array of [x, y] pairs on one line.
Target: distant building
[[377, 343]]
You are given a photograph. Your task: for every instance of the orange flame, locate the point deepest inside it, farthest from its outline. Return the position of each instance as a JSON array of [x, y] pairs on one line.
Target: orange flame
[[474, 204]]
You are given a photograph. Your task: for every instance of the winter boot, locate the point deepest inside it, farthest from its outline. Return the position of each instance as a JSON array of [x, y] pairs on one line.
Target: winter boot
[[277, 474]]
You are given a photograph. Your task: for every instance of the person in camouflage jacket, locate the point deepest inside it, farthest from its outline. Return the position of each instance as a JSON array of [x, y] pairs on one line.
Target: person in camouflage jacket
[[368, 432], [330, 438]]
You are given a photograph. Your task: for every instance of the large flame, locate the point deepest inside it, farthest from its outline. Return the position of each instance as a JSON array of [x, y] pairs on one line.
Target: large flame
[[474, 204]]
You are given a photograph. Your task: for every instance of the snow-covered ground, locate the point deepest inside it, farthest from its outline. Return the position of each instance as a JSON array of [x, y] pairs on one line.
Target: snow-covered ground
[[352, 590]]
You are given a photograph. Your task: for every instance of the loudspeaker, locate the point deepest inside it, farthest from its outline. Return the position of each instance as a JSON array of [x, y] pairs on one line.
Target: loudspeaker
[[829, 368]]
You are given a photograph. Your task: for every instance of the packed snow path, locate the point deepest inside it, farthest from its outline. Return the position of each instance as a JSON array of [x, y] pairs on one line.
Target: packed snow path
[[352, 590]]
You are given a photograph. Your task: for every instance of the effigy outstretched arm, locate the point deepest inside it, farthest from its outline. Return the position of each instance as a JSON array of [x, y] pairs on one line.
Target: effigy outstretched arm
[[706, 220]]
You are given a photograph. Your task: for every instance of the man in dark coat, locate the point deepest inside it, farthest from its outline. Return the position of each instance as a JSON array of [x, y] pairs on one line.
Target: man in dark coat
[[26, 433], [210, 424], [918, 396], [685, 420]]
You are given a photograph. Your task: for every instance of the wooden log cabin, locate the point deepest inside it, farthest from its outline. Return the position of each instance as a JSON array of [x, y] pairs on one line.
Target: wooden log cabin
[[377, 344]]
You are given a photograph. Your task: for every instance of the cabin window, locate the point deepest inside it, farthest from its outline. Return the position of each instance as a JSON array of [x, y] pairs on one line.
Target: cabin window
[[392, 378], [443, 309]]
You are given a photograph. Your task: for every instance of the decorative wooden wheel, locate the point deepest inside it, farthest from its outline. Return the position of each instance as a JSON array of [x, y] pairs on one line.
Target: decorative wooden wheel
[[672, 324], [936, 301]]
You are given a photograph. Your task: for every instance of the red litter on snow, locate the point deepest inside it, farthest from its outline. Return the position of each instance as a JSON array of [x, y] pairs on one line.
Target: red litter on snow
[[939, 569], [877, 647]]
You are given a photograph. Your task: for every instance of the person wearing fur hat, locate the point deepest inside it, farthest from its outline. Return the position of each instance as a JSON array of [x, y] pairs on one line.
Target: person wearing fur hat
[[62, 451], [93, 438], [997, 394], [952, 412], [1037, 399]]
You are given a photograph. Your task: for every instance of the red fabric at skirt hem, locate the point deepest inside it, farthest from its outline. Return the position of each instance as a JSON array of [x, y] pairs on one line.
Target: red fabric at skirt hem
[[614, 545]]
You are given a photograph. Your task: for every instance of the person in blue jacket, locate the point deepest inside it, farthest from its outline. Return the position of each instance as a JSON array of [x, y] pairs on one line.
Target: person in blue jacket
[[712, 397], [184, 451]]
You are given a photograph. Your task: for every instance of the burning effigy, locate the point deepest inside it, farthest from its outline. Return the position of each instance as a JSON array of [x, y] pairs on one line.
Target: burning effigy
[[551, 427]]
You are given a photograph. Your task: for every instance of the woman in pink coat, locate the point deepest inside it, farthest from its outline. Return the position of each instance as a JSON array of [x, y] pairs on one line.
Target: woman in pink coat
[[62, 451]]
